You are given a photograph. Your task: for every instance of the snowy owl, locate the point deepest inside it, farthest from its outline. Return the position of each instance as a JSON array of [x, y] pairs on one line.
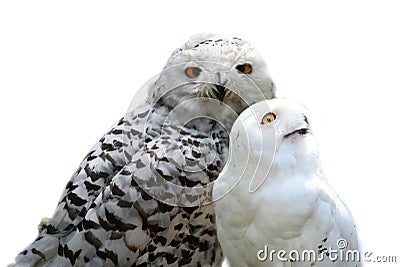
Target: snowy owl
[[142, 195], [272, 195]]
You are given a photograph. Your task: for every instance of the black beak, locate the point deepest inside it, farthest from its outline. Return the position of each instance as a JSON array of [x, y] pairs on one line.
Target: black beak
[[221, 91]]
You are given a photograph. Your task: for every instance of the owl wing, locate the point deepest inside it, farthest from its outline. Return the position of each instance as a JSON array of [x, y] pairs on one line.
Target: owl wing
[[127, 223], [113, 217], [107, 157]]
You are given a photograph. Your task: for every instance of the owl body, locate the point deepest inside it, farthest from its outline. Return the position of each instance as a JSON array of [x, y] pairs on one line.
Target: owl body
[[292, 208], [142, 195], [136, 228]]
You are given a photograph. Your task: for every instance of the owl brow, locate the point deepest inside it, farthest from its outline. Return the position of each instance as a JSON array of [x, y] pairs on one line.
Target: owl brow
[[240, 54]]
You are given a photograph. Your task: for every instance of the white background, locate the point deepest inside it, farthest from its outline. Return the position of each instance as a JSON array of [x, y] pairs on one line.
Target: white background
[[68, 71]]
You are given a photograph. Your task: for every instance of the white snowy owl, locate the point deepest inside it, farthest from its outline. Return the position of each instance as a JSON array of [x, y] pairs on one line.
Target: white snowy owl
[[272, 194], [141, 196]]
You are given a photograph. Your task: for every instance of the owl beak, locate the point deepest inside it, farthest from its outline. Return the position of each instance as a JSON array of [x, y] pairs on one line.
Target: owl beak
[[221, 91]]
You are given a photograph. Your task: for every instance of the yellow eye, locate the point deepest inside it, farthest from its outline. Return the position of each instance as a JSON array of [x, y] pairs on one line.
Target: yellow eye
[[268, 118], [244, 68], [192, 72]]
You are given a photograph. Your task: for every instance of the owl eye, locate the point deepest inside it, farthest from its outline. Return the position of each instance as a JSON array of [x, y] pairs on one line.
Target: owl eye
[[244, 68], [192, 72], [268, 118]]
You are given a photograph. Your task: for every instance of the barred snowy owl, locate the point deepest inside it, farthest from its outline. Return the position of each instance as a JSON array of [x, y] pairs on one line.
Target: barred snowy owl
[[142, 195], [273, 196]]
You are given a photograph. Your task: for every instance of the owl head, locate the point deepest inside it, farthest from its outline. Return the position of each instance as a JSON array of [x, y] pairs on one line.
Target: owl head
[[209, 70], [270, 137]]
